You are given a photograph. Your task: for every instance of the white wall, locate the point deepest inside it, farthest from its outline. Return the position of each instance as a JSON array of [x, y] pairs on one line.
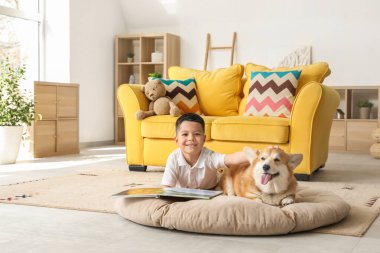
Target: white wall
[[56, 55], [343, 33], [93, 25]]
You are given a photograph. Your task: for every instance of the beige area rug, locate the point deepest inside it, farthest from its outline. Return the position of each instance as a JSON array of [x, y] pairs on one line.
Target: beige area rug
[[91, 191]]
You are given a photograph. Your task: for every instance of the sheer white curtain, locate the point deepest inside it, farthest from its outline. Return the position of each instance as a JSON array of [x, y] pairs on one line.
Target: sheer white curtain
[[20, 36]]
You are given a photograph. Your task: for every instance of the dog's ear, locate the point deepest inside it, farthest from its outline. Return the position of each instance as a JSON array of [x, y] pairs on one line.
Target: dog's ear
[[251, 154], [294, 160]]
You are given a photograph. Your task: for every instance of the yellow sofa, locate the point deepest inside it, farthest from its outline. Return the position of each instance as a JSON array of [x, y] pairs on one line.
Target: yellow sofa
[[222, 98]]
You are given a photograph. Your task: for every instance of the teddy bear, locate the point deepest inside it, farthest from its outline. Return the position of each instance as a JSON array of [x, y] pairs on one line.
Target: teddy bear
[[160, 105]]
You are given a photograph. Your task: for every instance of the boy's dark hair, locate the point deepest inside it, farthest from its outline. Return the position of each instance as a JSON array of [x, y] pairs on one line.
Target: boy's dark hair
[[189, 117]]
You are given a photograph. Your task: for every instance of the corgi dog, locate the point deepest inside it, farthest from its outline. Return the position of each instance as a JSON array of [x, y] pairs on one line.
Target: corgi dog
[[268, 179]]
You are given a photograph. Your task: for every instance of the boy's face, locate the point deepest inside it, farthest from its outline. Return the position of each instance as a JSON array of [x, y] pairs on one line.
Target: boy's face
[[190, 138]]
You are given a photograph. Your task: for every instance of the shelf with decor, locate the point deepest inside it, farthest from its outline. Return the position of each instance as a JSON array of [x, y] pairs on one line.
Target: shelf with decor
[[352, 127], [151, 53]]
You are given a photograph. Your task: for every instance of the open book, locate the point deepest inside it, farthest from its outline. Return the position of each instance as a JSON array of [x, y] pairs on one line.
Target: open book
[[168, 192]]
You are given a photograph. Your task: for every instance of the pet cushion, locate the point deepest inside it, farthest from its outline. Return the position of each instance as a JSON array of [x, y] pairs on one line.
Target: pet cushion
[[183, 94], [236, 215], [218, 91], [272, 93], [314, 72]]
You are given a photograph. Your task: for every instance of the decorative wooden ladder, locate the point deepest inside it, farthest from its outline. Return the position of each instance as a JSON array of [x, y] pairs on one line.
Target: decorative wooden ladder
[[209, 48]]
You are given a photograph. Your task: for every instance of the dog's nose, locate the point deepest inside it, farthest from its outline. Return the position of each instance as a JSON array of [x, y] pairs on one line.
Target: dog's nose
[[266, 167]]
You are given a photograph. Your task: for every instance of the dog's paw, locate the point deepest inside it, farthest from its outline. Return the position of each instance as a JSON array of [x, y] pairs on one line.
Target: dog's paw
[[287, 201], [231, 192]]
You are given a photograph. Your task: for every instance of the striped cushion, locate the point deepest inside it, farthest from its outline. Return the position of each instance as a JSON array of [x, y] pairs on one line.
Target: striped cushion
[[183, 94], [272, 93]]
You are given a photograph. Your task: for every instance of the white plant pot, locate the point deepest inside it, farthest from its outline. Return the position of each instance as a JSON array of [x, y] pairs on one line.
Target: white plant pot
[[365, 112], [10, 140]]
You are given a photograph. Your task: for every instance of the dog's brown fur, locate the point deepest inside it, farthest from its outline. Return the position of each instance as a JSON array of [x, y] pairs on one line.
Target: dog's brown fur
[[274, 185]]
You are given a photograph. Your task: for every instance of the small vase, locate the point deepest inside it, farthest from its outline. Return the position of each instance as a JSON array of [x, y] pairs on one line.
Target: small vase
[[365, 112], [129, 59], [132, 79]]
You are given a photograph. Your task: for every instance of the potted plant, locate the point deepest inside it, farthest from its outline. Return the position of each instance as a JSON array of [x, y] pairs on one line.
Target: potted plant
[[365, 108], [154, 75], [130, 56], [16, 110]]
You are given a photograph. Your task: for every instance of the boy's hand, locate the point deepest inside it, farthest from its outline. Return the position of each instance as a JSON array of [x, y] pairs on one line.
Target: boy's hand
[[237, 158]]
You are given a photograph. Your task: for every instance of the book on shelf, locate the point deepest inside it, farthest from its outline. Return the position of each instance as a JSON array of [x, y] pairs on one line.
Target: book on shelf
[[145, 192]]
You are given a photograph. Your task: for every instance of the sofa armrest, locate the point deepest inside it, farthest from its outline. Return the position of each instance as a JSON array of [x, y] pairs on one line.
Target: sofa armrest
[[311, 119], [132, 99]]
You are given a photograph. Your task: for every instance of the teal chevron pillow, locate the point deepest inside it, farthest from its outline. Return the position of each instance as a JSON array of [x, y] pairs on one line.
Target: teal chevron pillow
[[183, 94], [272, 93]]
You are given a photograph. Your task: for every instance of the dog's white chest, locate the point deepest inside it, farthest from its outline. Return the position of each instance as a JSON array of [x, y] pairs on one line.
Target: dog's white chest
[[274, 187]]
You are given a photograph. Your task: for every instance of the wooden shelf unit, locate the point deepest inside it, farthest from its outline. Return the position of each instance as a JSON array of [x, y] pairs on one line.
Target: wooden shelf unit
[[142, 46], [56, 130], [352, 133]]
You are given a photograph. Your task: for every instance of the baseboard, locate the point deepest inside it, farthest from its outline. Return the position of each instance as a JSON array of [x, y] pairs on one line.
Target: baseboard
[[96, 144]]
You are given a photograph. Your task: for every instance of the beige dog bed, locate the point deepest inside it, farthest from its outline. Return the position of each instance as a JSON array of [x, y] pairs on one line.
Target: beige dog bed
[[235, 215]]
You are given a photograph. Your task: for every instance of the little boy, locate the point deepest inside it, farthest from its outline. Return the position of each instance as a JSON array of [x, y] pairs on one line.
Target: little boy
[[192, 165]]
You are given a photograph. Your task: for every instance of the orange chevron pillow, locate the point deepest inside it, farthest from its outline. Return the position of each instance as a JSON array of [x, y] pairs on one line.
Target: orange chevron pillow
[[272, 93], [183, 94]]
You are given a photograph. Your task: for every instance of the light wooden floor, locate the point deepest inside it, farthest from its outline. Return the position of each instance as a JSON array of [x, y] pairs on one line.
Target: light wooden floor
[[37, 229]]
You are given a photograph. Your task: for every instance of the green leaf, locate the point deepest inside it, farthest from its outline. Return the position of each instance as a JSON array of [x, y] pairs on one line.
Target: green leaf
[[16, 106]]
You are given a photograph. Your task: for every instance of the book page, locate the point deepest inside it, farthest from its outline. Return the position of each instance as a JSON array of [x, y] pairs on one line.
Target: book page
[[168, 192], [193, 192]]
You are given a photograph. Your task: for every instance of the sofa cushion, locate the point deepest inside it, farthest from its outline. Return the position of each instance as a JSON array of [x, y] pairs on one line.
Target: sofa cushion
[[163, 127], [183, 94], [251, 129], [315, 72], [218, 91], [272, 93]]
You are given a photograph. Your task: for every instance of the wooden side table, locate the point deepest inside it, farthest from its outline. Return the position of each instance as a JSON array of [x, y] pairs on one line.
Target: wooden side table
[[57, 130]]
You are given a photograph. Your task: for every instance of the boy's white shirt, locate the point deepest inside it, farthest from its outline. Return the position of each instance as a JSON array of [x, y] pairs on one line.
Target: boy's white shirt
[[203, 175]]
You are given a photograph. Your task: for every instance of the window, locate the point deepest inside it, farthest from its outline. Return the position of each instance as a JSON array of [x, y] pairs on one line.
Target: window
[[20, 24]]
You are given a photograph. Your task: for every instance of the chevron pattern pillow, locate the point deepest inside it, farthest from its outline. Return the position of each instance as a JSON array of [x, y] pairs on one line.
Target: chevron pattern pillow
[[183, 94], [272, 93]]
